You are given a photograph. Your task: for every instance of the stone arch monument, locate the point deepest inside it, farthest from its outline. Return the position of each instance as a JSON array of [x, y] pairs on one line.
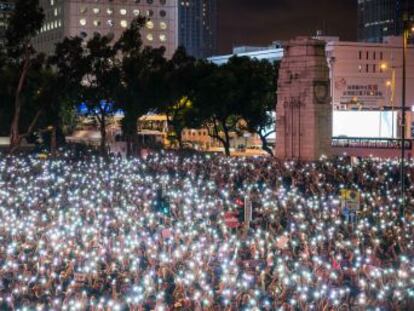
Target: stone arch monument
[[304, 111]]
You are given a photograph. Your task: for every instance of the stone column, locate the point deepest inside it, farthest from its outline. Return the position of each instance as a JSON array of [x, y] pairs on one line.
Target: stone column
[[304, 112]]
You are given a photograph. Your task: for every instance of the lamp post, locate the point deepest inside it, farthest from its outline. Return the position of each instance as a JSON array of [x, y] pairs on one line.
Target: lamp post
[[332, 61], [407, 28], [390, 84]]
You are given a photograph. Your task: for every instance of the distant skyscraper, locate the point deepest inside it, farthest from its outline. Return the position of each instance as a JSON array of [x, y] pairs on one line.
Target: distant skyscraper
[[380, 18], [6, 7], [197, 30]]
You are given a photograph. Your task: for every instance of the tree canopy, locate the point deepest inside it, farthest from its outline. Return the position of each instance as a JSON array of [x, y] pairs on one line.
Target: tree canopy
[[108, 76]]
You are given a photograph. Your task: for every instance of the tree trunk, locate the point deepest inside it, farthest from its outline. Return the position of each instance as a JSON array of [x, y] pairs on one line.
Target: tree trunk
[[53, 143], [226, 145], [128, 145], [265, 145], [15, 137], [102, 128], [29, 131], [178, 132], [226, 141]]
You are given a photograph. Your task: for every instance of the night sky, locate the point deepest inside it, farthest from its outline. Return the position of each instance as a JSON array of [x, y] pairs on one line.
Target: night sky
[[259, 22]]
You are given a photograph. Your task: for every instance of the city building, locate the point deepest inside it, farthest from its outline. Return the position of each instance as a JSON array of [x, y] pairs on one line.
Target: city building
[[378, 19], [366, 84], [197, 30], [368, 76], [273, 52], [154, 131], [170, 23], [65, 18], [6, 7]]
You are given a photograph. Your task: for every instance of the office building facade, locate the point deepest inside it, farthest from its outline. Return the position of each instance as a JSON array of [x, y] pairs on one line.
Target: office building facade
[[6, 7], [66, 18], [378, 19], [197, 30]]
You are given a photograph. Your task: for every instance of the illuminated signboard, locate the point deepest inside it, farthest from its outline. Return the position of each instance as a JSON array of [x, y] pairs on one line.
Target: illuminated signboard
[[359, 91]]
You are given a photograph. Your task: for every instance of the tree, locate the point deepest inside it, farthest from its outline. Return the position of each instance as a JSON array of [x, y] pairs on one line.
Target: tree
[[217, 101], [256, 80], [101, 82], [179, 91], [236, 97], [142, 71], [6, 94], [70, 66], [20, 57]]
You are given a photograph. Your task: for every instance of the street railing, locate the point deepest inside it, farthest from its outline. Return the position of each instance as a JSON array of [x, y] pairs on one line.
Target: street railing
[[370, 143]]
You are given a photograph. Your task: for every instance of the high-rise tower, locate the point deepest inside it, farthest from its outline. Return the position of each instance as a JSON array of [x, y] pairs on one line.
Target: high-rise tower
[[380, 18], [197, 27]]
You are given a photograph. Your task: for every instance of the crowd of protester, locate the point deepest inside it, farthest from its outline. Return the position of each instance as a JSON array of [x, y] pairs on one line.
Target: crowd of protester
[[151, 234]]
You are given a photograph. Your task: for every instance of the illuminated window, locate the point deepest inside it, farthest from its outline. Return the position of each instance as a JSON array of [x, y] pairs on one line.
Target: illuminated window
[[97, 22], [123, 11], [96, 10], [109, 11], [135, 12], [150, 25], [110, 22], [163, 25], [150, 37], [82, 21], [124, 23], [163, 38]]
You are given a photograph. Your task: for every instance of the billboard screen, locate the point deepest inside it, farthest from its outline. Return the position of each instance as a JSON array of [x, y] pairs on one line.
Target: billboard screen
[[375, 124]]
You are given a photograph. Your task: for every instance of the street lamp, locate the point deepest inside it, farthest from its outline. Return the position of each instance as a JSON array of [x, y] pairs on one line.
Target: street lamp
[[390, 84], [407, 28]]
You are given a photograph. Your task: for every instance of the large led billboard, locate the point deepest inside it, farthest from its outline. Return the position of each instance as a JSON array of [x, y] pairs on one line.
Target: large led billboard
[[375, 124]]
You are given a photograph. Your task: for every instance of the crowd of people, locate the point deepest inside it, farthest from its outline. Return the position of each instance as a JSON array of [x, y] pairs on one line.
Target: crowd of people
[[151, 234]]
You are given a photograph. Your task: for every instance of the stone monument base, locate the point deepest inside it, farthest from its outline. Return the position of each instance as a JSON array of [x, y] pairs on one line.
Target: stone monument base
[[304, 112]]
